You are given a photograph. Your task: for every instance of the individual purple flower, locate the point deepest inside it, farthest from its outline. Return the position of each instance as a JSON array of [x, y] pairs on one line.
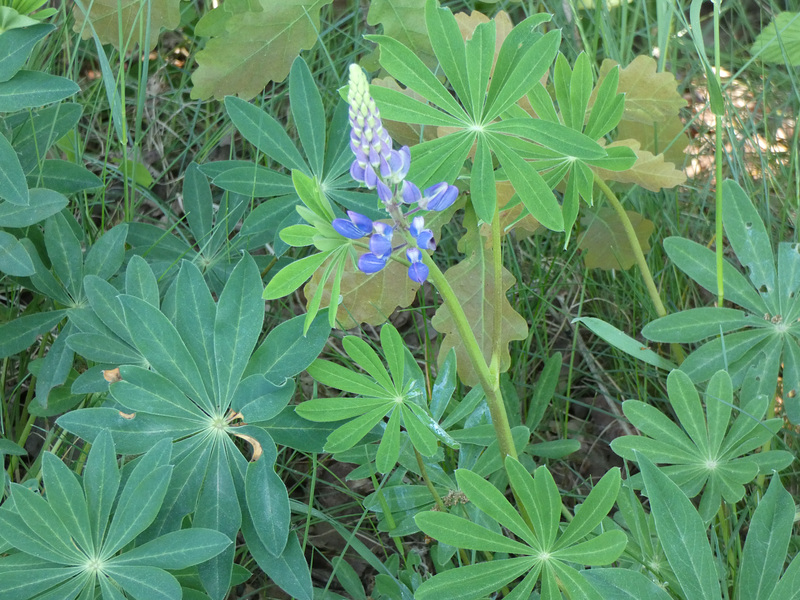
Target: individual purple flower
[[381, 241], [424, 237], [384, 192], [439, 197], [396, 168], [410, 193], [418, 271], [369, 263], [357, 227]]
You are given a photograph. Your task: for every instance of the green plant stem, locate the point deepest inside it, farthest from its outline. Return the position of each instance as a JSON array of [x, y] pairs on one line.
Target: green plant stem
[[497, 314], [718, 126], [310, 499], [428, 483], [387, 513], [630, 232], [489, 382]]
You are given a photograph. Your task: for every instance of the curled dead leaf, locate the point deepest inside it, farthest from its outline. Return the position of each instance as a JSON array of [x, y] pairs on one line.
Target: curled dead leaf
[[112, 375], [257, 450]]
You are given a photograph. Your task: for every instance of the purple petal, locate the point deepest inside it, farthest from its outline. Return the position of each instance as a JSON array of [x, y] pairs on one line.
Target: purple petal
[[384, 192], [417, 223], [413, 255], [425, 240], [374, 157], [410, 193], [347, 229], [369, 263], [363, 223], [381, 246], [357, 171], [418, 272], [370, 177], [444, 199], [386, 169]]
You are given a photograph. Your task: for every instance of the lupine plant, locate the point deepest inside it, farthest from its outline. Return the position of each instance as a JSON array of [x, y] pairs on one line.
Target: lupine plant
[[194, 387]]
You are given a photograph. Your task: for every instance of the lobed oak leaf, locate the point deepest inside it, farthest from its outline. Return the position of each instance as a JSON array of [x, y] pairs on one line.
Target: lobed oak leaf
[[366, 298], [779, 42], [473, 285], [509, 217], [650, 171], [649, 96], [604, 242], [404, 20], [663, 137], [117, 21], [253, 43]]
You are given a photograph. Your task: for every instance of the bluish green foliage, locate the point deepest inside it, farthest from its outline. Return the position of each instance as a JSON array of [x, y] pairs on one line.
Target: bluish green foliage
[[205, 422]]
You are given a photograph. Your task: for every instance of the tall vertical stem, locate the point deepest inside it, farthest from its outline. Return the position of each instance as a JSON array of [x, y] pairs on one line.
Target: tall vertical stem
[[718, 128], [490, 382]]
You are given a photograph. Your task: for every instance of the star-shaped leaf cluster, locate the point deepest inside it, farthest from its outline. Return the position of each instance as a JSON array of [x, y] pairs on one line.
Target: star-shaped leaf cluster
[[78, 538], [766, 333], [379, 394], [543, 550], [705, 454]]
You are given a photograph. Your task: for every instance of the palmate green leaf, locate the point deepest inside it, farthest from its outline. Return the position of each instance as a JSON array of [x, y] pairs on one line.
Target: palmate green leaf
[[490, 500], [289, 570], [695, 324], [624, 584], [541, 503], [268, 36], [13, 187], [29, 89], [750, 242], [767, 542], [475, 581], [264, 132], [84, 510], [16, 46], [308, 113], [14, 258], [239, 317], [348, 435], [682, 533], [709, 458], [624, 342], [268, 505], [43, 203], [161, 345]]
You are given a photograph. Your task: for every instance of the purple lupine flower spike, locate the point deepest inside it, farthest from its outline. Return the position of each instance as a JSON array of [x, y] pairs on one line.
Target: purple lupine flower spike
[[357, 227], [370, 142], [418, 271]]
